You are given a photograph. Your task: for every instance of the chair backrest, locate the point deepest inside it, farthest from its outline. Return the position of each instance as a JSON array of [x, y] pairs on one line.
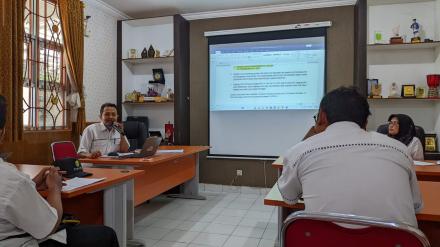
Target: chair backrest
[[319, 229], [420, 133], [136, 134], [63, 149], [141, 119]]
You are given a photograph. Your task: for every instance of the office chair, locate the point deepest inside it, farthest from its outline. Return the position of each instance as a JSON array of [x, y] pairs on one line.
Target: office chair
[[136, 134], [141, 119], [63, 149], [420, 133], [319, 230]]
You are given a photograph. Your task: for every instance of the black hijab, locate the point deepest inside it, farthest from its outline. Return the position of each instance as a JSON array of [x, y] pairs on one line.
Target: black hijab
[[407, 129]]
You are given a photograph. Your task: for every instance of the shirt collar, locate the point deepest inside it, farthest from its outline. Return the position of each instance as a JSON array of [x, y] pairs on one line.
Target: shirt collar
[[103, 128], [342, 126]]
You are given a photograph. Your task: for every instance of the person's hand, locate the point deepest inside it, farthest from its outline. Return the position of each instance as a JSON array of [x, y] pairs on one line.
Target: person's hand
[[54, 180], [119, 127], [40, 179], [95, 155]]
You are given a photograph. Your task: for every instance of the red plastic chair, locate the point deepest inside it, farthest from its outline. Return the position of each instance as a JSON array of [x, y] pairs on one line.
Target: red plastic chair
[[319, 229], [64, 149]]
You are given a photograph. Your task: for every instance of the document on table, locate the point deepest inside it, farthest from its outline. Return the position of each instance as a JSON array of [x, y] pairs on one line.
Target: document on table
[[164, 151], [423, 163], [76, 182]]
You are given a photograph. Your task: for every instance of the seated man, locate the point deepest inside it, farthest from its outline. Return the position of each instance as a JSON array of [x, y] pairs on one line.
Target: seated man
[[342, 168], [104, 137], [26, 219]]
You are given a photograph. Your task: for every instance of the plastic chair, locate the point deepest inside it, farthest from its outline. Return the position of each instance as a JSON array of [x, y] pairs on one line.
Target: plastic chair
[[63, 149], [319, 229]]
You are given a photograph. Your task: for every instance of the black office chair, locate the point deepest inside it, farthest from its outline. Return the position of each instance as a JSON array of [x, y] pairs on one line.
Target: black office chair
[[136, 134], [420, 133], [142, 119]]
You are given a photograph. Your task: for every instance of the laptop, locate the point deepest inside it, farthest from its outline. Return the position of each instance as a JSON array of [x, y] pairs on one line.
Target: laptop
[[148, 149], [72, 167]]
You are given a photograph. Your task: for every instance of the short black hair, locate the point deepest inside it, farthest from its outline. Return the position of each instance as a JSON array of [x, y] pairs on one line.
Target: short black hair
[[345, 104], [106, 105], [3, 106]]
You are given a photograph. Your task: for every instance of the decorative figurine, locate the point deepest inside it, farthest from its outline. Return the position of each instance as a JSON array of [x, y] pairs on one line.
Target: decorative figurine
[[396, 39], [376, 91], [152, 93], [416, 32], [131, 53], [157, 53], [144, 53], [394, 91], [151, 51]]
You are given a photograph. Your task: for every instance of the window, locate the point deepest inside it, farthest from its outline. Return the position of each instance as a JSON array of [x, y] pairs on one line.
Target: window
[[44, 72]]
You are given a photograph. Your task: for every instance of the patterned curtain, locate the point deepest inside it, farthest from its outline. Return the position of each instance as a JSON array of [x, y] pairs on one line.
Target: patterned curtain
[[72, 16], [11, 65]]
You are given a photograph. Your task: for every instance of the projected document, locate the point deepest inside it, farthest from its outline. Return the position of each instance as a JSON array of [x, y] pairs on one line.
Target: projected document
[[267, 75]]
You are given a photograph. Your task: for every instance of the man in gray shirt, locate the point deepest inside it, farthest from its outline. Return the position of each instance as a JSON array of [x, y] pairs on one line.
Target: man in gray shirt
[[342, 168]]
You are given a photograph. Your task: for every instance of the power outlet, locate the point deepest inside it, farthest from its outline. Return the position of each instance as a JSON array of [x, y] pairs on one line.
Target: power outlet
[[239, 173]]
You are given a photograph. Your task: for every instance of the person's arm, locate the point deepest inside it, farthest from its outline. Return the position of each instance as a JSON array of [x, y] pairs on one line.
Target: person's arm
[[289, 185], [27, 210], [54, 184], [124, 145], [415, 191], [416, 149], [40, 179], [85, 146]]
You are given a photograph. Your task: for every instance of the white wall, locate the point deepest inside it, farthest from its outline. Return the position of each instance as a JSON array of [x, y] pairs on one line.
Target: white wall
[[100, 57]]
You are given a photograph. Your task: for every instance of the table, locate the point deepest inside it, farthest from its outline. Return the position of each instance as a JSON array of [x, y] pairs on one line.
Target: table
[[162, 172], [104, 202], [424, 173]]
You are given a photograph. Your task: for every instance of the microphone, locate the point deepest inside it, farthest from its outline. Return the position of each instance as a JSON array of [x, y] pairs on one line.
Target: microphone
[[117, 127]]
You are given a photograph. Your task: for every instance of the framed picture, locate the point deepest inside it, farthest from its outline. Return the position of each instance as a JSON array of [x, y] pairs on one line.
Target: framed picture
[[409, 91], [158, 76], [431, 143], [370, 84]]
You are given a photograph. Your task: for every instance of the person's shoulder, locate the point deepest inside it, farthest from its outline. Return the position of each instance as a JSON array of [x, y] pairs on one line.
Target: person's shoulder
[[92, 127], [10, 175], [300, 148], [386, 141]]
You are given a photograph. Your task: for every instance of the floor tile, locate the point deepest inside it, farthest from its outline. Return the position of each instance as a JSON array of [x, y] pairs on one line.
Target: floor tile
[[266, 243], [192, 226], [169, 244], [210, 239], [270, 234], [234, 241], [152, 233], [181, 236], [253, 223], [227, 220], [250, 232], [219, 229], [166, 223]]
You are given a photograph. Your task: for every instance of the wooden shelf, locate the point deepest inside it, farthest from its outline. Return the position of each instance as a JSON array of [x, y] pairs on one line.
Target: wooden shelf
[[406, 46], [148, 103], [403, 99], [155, 60], [385, 2]]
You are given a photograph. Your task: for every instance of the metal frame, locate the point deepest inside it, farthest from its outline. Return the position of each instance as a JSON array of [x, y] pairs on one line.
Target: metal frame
[[355, 220]]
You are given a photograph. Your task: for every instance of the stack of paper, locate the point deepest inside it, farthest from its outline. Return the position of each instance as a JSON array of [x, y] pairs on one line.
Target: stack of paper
[[75, 183], [423, 163], [163, 151]]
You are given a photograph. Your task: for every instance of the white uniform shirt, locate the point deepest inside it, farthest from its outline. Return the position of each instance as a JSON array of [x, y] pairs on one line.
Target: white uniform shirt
[[23, 210], [415, 148], [96, 137], [348, 170]]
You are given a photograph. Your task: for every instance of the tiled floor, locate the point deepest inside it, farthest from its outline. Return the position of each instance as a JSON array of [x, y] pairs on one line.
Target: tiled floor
[[225, 219]]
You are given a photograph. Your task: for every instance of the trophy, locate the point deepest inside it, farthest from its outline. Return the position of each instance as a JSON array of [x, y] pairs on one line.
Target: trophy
[[394, 91], [416, 32], [433, 83], [396, 39]]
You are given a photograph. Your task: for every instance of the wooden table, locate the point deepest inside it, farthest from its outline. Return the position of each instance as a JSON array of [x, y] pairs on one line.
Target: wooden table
[[104, 202], [424, 173], [163, 171]]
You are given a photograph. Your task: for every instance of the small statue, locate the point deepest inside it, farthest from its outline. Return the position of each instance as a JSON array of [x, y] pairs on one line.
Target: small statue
[[144, 53], [151, 51], [394, 91], [152, 93], [416, 32], [396, 39], [157, 53]]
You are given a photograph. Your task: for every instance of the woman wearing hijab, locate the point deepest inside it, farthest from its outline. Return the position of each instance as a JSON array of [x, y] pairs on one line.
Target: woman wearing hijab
[[401, 127]]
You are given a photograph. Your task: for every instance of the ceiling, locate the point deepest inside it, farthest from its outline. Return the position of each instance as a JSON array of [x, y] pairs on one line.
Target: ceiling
[[153, 8]]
